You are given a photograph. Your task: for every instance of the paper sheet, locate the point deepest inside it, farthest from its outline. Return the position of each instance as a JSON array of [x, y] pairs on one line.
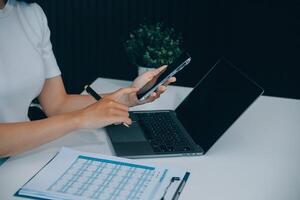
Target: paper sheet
[[77, 175]]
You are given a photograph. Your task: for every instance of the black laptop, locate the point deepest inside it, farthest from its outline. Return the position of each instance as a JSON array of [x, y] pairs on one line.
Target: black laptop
[[216, 102]]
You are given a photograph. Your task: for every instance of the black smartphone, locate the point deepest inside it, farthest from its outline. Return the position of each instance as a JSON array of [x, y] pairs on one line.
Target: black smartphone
[[182, 61]]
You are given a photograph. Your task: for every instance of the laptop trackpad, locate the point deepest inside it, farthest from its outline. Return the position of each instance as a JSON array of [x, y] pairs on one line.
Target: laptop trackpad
[[121, 133]]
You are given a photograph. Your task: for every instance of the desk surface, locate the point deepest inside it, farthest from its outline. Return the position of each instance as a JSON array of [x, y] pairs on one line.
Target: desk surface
[[257, 158]]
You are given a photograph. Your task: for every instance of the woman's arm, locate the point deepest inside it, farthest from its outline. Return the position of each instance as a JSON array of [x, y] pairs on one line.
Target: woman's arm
[[21, 136], [55, 100], [70, 112]]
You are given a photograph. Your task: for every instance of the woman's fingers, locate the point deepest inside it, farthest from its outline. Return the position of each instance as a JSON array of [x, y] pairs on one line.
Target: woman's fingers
[[151, 98], [103, 113], [123, 96], [120, 119], [148, 80], [118, 113], [171, 80], [159, 70], [150, 75], [161, 89]]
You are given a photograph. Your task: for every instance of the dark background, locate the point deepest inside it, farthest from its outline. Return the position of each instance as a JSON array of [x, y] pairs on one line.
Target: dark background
[[262, 37]]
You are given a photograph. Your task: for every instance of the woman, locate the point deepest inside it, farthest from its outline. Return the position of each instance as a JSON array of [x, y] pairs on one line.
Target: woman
[[28, 69]]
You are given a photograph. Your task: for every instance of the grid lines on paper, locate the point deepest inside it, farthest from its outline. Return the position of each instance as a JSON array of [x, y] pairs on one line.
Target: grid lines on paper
[[94, 178]]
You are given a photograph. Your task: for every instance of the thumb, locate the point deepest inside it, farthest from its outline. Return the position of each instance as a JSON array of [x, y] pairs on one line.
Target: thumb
[[160, 69]]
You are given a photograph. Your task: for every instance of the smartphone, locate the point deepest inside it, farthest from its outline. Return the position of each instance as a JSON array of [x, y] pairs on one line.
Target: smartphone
[[182, 61]]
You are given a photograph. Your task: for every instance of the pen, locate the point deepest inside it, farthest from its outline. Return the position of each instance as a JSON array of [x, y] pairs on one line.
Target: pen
[[168, 186], [181, 186], [97, 97]]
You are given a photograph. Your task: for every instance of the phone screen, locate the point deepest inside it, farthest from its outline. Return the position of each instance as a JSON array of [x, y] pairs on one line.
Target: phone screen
[[183, 60]]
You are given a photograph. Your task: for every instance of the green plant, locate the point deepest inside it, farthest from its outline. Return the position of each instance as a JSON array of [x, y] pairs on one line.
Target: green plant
[[153, 45]]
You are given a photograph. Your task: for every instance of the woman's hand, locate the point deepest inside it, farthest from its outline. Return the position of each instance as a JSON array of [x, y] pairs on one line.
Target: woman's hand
[[149, 79], [103, 113], [130, 99]]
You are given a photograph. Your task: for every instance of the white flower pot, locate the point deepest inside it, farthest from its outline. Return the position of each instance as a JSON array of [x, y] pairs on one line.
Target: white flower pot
[[142, 70]]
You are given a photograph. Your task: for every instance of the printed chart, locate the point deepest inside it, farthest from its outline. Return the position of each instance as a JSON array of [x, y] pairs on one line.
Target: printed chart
[[76, 175], [94, 178]]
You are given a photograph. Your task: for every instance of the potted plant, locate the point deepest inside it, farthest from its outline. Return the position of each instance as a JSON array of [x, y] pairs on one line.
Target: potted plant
[[150, 46]]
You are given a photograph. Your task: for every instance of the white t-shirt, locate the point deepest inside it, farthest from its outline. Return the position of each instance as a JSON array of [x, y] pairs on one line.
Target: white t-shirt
[[26, 58]]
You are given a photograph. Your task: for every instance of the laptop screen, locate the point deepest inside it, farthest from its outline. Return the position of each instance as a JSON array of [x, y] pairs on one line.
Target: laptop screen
[[216, 102]]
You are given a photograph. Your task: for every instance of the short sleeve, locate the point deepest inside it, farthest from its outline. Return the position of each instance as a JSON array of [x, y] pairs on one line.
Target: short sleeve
[[50, 63]]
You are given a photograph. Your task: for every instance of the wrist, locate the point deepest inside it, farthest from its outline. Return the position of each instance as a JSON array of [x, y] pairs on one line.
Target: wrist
[[75, 119], [104, 95]]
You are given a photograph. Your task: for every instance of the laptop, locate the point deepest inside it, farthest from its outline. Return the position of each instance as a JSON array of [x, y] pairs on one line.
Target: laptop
[[214, 104]]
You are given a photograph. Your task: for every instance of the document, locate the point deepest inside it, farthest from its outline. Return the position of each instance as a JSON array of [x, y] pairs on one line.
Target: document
[[76, 175]]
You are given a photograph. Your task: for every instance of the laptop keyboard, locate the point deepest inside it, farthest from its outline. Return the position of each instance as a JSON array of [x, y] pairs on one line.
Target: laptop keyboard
[[162, 132]]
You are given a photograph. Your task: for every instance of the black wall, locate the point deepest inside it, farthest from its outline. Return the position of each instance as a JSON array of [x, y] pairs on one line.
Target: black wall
[[262, 37]]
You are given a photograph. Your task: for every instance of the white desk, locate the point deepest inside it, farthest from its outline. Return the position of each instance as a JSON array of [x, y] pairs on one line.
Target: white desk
[[256, 159]]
